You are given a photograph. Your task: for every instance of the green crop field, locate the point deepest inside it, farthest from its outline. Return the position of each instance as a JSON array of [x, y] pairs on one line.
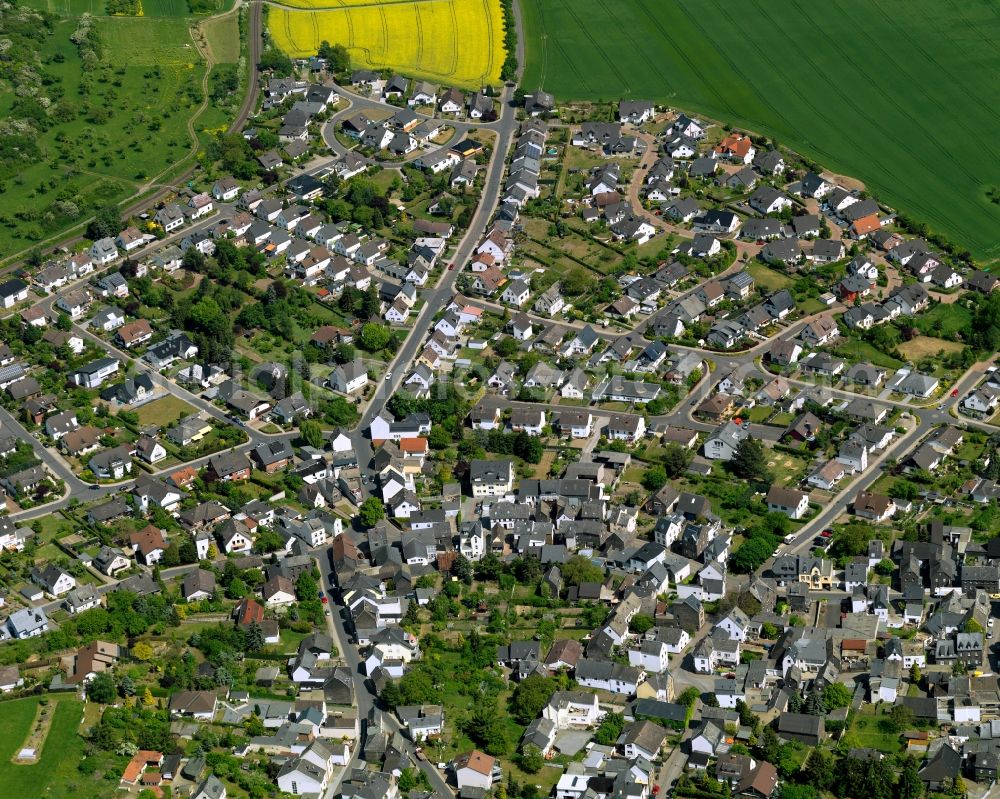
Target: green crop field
[[893, 92], [165, 8], [68, 7], [55, 773]]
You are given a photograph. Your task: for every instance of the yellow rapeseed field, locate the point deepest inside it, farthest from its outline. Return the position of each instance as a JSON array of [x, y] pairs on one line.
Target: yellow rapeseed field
[[454, 42], [338, 3]]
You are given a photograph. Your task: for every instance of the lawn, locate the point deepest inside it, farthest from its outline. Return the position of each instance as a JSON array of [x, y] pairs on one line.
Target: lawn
[[787, 469], [55, 774], [457, 42], [163, 412], [767, 278], [760, 414], [855, 349], [802, 73], [865, 732], [944, 320]]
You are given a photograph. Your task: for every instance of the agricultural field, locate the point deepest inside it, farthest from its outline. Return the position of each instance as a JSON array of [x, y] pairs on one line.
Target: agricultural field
[[888, 91], [455, 42], [118, 108]]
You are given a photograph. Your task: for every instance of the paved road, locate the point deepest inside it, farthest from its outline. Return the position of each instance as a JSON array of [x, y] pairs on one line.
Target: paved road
[[337, 630], [440, 295]]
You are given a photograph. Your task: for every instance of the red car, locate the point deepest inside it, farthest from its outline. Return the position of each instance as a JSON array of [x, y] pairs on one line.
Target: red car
[[450, 267], [827, 534], [325, 599], [954, 392]]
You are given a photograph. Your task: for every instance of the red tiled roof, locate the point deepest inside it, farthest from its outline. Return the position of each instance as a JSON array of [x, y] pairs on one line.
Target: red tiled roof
[[249, 611]]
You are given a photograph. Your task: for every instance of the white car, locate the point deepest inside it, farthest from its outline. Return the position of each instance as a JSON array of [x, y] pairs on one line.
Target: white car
[[388, 375]]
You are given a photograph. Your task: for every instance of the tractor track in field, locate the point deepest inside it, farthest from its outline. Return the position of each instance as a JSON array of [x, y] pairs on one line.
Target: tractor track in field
[[454, 25], [489, 26], [973, 135], [611, 16], [735, 67], [593, 41], [691, 63], [420, 36], [385, 34], [861, 146], [346, 7], [895, 103]]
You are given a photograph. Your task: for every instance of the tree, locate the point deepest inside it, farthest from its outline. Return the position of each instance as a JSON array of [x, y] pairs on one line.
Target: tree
[[770, 746], [689, 696], [236, 589], [253, 638], [311, 433], [371, 512], [915, 674], [972, 626], [751, 554], [142, 651], [344, 353], [528, 447], [814, 702], [188, 550], [102, 688], [273, 60], [750, 460], [530, 696], [579, 569], [609, 729], [676, 459], [527, 569], [852, 540], [909, 785], [900, 717], [836, 695], [487, 727], [819, 769], [407, 781], [640, 623], [336, 56], [390, 694], [374, 337], [884, 567], [531, 759], [461, 568], [654, 478], [148, 700], [107, 222]]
